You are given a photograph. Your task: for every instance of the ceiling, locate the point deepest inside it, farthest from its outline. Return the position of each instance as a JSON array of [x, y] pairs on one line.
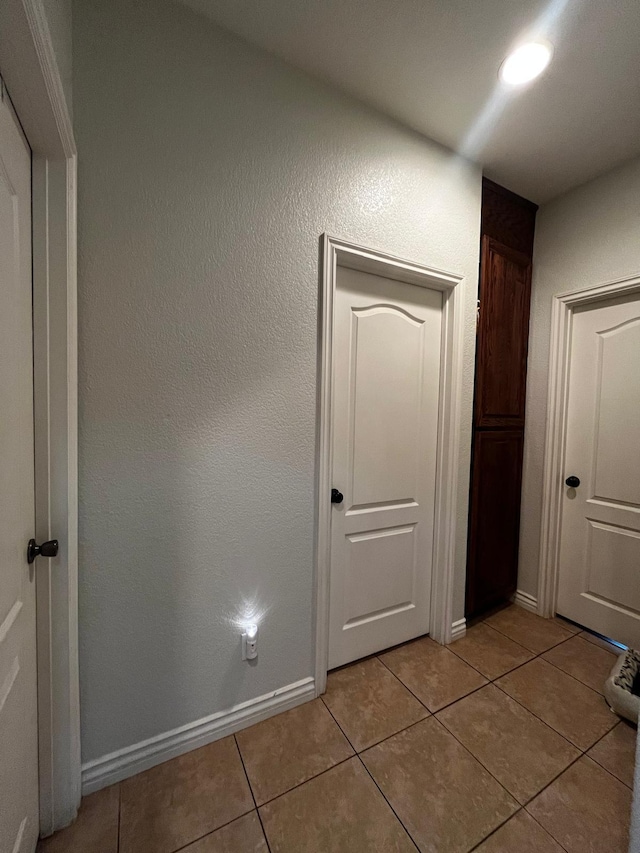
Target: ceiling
[[432, 64]]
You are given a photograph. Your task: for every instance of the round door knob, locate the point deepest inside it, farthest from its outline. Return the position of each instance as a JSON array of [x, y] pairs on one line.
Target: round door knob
[[336, 496], [47, 549], [572, 482]]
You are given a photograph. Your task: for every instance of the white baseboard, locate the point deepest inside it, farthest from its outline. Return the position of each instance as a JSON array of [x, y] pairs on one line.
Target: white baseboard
[[458, 629], [523, 599], [133, 759]]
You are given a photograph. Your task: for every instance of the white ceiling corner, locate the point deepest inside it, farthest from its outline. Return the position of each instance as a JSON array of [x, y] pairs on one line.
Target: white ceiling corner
[[432, 64]]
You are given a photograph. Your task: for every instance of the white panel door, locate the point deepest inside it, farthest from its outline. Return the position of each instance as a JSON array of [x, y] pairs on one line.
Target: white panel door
[[18, 697], [386, 378], [599, 579]]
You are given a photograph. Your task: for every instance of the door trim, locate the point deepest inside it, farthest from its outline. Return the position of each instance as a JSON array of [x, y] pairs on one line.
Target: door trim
[[340, 253], [32, 77], [563, 307]]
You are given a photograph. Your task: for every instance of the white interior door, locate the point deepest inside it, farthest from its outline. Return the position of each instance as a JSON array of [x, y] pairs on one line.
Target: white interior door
[[386, 380], [599, 578], [18, 695]]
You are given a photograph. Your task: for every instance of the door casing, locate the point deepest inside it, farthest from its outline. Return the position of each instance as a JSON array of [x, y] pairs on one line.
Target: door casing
[[31, 74], [563, 307], [340, 253]]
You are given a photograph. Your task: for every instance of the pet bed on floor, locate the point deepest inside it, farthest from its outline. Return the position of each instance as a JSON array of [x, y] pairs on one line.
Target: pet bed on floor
[[622, 688]]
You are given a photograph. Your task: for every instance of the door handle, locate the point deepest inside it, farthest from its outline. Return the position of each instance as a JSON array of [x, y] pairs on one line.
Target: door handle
[[47, 549], [336, 496], [572, 482]]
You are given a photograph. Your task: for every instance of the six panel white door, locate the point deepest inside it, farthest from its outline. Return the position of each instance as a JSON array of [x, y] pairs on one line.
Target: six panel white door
[[599, 578], [18, 697], [386, 377]]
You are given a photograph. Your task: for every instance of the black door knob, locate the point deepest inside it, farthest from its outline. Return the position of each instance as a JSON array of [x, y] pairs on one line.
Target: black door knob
[[47, 549], [336, 496], [572, 482]]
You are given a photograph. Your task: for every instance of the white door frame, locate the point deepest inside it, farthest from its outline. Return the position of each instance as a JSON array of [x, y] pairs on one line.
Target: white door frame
[[339, 253], [30, 72], [563, 307]]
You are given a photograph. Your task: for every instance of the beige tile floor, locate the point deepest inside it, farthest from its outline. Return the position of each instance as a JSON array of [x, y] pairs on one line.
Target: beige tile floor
[[501, 743]]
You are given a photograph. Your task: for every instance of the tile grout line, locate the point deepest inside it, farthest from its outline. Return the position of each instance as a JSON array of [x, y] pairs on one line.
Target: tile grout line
[[529, 802], [544, 722], [575, 678], [493, 831], [484, 619], [477, 689], [608, 772], [397, 677], [211, 832], [613, 776], [386, 737], [513, 816], [533, 713], [595, 760], [253, 796], [493, 681], [304, 782], [357, 755], [408, 726], [497, 631], [348, 739], [555, 778], [533, 651], [513, 796], [602, 737], [433, 713], [466, 749], [264, 832], [560, 845], [582, 753], [246, 775], [520, 666], [433, 716], [378, 742], [229, 822], [383, 795]]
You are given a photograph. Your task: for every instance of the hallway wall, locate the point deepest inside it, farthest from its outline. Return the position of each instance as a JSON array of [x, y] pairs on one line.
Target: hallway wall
[[207, 172], [586, 237]]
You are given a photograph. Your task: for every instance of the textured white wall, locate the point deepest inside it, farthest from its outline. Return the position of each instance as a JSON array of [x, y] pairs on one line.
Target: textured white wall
[[208, 172], [587, 237]]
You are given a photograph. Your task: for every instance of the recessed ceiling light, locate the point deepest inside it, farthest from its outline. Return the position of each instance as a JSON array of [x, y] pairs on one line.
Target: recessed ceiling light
[[525, 63]]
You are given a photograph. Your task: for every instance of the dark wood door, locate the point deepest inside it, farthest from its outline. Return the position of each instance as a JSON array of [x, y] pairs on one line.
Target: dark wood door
[[495, 523], [503, 333], [500, 392]]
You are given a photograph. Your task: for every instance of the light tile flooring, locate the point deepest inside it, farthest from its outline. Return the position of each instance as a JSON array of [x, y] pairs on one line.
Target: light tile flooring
[[501, 743]]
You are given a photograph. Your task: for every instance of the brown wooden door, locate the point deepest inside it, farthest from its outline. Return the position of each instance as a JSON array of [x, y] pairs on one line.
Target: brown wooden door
[[495, 522], [499, 408], [503, 332]]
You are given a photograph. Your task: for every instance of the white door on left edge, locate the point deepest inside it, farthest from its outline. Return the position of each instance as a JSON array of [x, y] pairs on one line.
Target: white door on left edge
[[18, 697], [386, 377]]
